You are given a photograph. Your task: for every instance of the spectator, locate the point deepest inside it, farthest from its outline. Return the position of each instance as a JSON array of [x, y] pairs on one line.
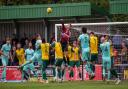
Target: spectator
[[124, 53], [52, 38], [14, 43], [117, 40], [22, 41], [33, 40], [20, 53], [26, 44], [14, 39], [14, 57]]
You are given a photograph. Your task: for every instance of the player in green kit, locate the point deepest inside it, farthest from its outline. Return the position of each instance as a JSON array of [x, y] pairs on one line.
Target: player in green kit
[[45, 59], [6, 48], [59, 59], [74, 60], [106, 58]]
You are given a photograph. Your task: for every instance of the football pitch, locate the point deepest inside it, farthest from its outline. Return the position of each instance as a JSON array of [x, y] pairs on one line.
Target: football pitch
[[66, 85]]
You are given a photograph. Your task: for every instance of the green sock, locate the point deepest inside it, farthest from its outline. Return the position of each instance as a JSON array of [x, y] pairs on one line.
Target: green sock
[[62, 72], [114, 73], [54, 72], [91, 66], [71, 74], [44, 76], [35, 74], [59, 73]]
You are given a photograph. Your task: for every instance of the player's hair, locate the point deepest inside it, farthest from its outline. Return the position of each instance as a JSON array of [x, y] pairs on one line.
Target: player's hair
[[18, 43], [38, 36], [102, 39], [92, 33], [84, 30], [8, 39], [43, 40], [107, 37], [29, 42]]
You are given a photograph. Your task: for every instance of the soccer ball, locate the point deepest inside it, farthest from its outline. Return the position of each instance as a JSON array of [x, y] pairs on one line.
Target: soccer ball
[[49, 10]]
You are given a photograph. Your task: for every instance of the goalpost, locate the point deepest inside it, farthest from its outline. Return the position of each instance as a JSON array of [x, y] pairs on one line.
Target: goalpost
[[108, 28]]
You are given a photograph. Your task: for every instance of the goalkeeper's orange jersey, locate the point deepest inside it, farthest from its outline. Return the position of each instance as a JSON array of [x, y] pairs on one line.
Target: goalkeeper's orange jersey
[[93, 44]]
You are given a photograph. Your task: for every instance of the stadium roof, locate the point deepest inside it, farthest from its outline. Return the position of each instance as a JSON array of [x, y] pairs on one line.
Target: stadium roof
[[118, 7], [61, 10], [40, 11]]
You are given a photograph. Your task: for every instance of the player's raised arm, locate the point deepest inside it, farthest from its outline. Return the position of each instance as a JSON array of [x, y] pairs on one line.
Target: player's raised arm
[[63, 27]]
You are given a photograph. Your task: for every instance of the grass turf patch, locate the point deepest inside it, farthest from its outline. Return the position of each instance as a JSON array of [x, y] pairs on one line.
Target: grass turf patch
[[66, 85]]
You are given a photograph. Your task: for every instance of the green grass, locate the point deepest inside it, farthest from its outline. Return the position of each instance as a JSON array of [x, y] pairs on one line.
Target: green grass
[[66, 85]]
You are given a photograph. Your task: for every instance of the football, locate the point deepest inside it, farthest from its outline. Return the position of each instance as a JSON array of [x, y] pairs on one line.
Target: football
[[49, 10]]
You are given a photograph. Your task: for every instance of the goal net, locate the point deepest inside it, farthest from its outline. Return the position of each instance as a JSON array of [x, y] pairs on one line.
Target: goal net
[[113, 29]]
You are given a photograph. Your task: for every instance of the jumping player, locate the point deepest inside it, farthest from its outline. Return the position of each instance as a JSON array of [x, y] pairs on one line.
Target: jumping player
[[45, 59], [85, 48], [59, 59], [93, 50], [65, 35]]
